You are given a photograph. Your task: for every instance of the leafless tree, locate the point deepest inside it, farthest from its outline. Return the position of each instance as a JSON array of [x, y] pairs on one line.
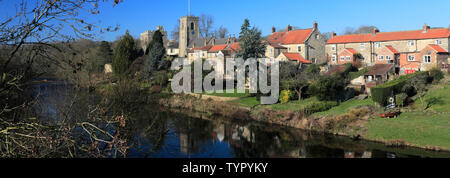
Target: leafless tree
[[175, 32], [206, 25], [39, 33], [361, 30], [222, 32], [326, 35]]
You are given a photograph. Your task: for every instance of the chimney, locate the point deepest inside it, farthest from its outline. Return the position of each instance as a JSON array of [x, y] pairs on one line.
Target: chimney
[[214, 41], [425, 28], [233, 39], [205, 42], [333, 34], [315, 26], [274, 30], [375, 31], [288, 28]]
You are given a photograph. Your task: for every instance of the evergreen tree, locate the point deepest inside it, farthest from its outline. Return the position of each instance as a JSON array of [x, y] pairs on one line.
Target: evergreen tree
[[104, 56], [250, 41], [125, 54], [156, 52]]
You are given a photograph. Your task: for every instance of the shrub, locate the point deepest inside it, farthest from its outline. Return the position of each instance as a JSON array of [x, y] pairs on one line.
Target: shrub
[[328, 88], [382, 92], [436, 75], [160, 78], [400, 99], [361, 111], [125, 54], [318, 106], [284, 96]]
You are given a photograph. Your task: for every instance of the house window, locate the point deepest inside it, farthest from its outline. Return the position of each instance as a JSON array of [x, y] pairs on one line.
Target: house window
[[378, 45], [438, 42], [348, 58], [427, 59], [271, 50], [411, 58], [313, 60], [410, 43], [299, 48], [333, 48], [317, 36], [333, 58], [380, 57], [362, 45], [342, 58], [388, 57]]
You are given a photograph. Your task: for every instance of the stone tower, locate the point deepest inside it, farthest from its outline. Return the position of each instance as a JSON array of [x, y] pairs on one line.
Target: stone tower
[[146, 37], [189, 31]]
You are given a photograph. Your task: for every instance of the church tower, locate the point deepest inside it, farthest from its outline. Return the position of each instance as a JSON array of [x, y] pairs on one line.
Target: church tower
[[189, 31]]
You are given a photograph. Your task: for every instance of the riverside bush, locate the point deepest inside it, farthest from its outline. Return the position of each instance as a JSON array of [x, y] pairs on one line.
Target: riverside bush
[[285, 96], [436, 75], [318, 106], [381, 93], [400, 99]]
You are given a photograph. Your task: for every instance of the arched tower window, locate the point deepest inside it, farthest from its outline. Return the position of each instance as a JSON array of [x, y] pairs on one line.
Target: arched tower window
[[192, 25]]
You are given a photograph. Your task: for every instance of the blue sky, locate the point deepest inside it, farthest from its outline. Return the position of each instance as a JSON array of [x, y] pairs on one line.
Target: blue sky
[[331, 15]]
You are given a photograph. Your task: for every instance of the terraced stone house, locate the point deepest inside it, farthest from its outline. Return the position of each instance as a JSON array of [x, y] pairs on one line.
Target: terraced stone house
[[409, 51], [303, 44]]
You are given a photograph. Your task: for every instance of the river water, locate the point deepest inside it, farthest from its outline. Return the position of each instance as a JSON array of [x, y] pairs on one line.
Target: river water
[[162, 133]]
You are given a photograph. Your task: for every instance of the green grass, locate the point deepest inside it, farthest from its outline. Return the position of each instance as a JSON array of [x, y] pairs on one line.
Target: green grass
[[225, 94], [246, 102], [438, 98], [345, 106], [145, 85], [105, 88], [418, 128], [423, 128], [292, 105]]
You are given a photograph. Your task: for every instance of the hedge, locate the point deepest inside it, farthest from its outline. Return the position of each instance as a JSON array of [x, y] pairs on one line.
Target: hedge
[[381, 93], [317, 106]]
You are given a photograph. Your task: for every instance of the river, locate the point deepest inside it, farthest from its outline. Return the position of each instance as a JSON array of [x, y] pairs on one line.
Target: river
[[155, 132]]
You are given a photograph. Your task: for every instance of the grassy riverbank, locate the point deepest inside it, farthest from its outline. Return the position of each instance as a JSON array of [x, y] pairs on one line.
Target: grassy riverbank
[[425, 129], [429, 128]]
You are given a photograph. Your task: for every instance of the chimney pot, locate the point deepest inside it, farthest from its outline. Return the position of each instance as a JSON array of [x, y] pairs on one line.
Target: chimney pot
[[315, 25], [425, 27], [375, 31], [288, 28], [274, 30], [333, 34]]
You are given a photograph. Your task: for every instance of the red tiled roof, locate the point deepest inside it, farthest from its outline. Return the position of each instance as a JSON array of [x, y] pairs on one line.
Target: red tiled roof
[[204, 48], [438, 48], [296, 57], [218, 48], [391, 36], [392, 49], [235, 46], [379, 69], [290, 37], [351, 50], [335, 69]]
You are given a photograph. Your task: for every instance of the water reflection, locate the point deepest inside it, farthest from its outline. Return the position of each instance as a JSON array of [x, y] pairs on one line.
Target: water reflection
[[154, 132]]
